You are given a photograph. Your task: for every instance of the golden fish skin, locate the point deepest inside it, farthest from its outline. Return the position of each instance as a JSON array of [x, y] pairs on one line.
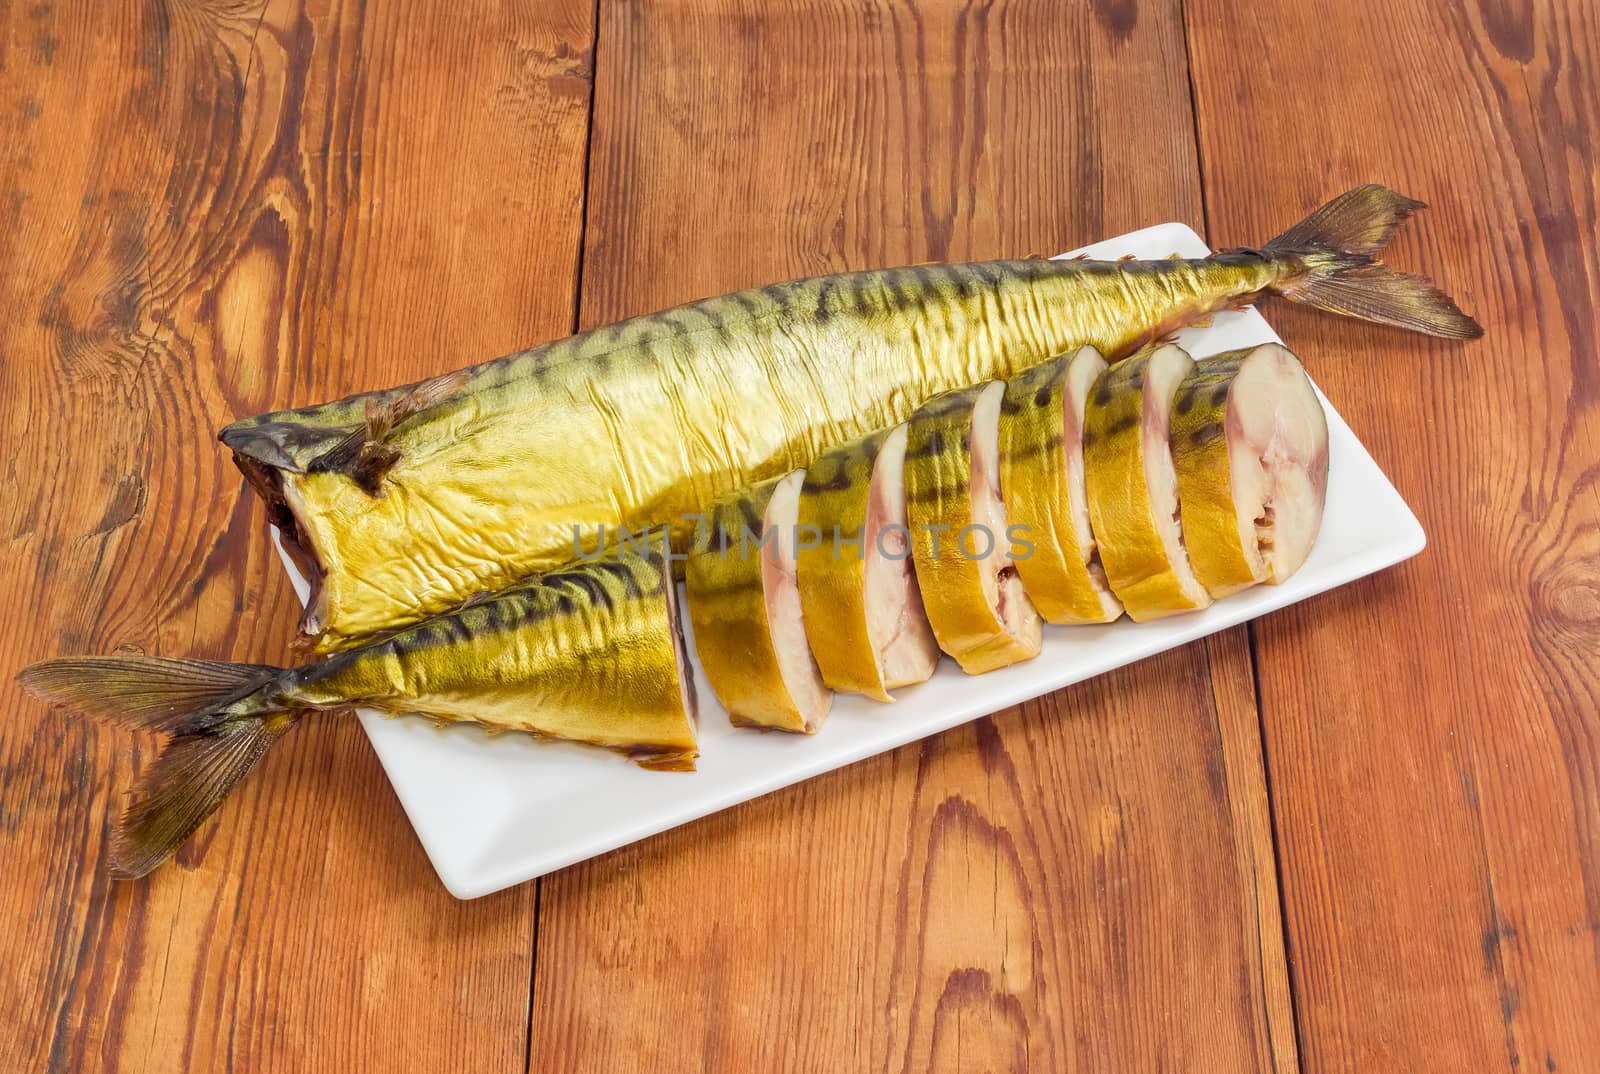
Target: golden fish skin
[[1041, 477], [1133, 502], [834, 501], [653, 418], [402, 503], [863, 611], [1250, 448], [591, 654], [744, 608], [960, 542]]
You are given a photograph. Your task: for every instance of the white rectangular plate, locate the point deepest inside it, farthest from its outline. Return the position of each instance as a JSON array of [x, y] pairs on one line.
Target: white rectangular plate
[[493, 812]]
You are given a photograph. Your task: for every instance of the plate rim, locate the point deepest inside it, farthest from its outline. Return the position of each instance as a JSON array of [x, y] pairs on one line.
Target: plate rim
[[467, 878]]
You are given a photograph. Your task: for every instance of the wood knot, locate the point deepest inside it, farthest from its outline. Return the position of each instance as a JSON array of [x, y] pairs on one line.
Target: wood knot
[[1570, 595]]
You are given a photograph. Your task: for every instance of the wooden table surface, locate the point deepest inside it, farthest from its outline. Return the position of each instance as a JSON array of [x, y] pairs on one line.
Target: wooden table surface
[[1362, 835]]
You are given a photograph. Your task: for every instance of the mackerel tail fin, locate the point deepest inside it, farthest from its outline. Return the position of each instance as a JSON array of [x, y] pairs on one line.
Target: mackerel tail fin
[[1336, 248], [219, 729]]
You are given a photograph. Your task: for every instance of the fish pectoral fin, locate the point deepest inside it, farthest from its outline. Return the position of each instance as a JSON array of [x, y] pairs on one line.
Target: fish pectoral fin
[[382, 417], [363, 453]]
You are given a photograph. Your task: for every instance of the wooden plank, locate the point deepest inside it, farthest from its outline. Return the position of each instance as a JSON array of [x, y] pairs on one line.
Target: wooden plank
[[1431, 733], [210, 209], [1082, 883]]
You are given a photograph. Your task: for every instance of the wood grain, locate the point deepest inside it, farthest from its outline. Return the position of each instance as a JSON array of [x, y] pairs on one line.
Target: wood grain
[[1082, 884], [1431, 733], [212, 208]]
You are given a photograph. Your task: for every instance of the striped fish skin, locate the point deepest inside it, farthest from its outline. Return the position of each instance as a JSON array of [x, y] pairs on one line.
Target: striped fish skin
[[591, 654], [650, 419], [1250, 448], [1128, 471], [402, 503], [833, 581], [761, 670], [1041, 477], [960, 542], [857, 587]]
